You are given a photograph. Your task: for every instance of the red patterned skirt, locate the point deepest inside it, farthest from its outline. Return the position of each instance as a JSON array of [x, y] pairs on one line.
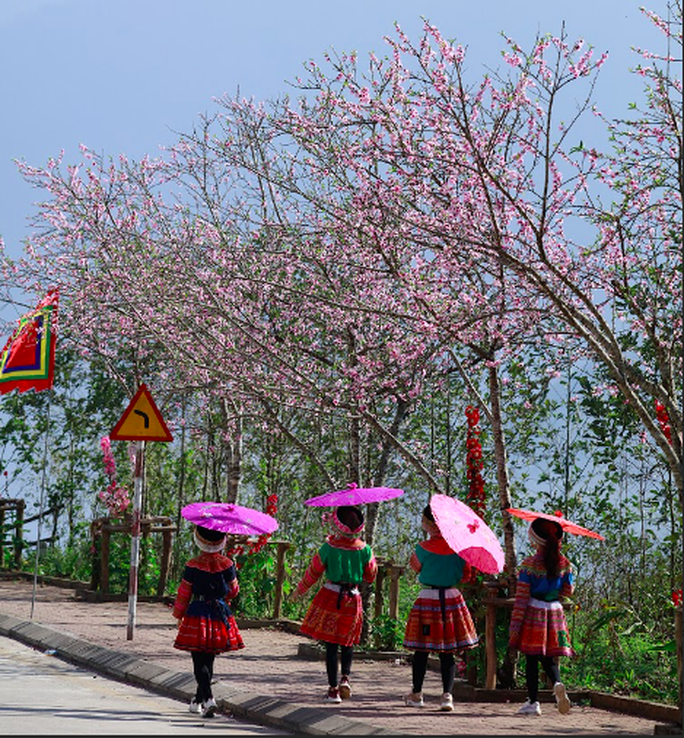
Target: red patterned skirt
[[207, 634], [544, 631], [334, 617], [440, 625]]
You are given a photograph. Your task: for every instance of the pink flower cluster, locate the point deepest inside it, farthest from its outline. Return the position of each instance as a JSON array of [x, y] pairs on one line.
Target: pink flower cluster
[[115, 497]]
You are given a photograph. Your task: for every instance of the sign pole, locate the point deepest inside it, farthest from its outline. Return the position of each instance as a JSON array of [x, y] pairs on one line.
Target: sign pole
[[141, 422], [135, 538]]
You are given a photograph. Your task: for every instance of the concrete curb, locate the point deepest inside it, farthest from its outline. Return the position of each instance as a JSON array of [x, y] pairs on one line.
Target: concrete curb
[[267, 711]]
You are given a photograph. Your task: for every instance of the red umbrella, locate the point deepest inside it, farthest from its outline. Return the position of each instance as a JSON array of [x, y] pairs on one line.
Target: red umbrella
[[567, 525], [229, 518], [467, 534], [354, 495]]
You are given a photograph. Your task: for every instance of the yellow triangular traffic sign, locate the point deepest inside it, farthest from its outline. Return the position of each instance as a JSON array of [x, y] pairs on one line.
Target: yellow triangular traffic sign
[[141, 421]]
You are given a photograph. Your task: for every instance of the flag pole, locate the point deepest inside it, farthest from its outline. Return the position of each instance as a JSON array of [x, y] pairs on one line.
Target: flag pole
[[40, 506]]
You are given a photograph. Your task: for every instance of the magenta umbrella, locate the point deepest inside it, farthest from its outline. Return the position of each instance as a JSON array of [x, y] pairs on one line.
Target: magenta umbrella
[[229, 518], [354, 495], [467, 534]]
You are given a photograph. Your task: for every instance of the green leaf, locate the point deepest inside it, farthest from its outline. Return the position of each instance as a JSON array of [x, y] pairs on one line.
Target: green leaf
[[669, 647]]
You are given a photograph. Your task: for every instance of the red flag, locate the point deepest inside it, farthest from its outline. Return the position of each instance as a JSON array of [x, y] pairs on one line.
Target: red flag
[[28, 359]]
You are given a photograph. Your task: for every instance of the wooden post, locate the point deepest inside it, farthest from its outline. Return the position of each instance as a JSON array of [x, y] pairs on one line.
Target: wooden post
[[2, 537], [490, 643], [19, 534], [280, 578], [395, 572], [167, 536], [96, 566], [16, 507], [379, 581], [104, 558], [379, 599]]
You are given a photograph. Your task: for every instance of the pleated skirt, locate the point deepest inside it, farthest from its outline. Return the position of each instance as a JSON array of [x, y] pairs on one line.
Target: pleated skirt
[[440, 625], [332, 618], [207, 634], [544, 630]]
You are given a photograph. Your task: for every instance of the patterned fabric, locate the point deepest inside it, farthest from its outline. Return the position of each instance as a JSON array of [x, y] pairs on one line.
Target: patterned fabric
[[439, 565], [311, 575], [439, 619], [207, 624], [335, 614], [348, 561], [533, 572], [440, 624], [538, 624], [544, 631], [343, 561]]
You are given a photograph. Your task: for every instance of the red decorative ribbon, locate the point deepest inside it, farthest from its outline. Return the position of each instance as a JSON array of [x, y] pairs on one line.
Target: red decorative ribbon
[[663, 420], [476, 497], [256, 546]]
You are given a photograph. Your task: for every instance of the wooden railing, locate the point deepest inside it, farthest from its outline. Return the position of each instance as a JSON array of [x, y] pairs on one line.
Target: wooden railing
[[390, 572], [102, 529], [16, 506]]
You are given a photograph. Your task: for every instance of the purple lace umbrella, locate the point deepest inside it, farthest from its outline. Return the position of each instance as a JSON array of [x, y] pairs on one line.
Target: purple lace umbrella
[[467, 534], [354, 495], [229, 518]]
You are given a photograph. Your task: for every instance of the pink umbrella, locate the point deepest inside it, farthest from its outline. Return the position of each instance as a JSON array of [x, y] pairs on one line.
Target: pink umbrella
[[229, 518], [354, 495], [567, 525], [467, 534]]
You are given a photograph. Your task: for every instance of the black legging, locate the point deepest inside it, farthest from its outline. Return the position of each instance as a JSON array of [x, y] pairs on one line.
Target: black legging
[[447, 666], [532, 673], [203, 668], [346, 655]]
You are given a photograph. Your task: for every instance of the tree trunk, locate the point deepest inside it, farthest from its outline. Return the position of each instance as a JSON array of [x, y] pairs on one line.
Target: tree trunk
[[506, 672], [176, 558], [233, 453], [380, 472], [502, 471]]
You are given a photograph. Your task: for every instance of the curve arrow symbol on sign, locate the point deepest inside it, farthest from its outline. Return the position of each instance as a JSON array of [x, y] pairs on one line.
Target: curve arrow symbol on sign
[[146, 417]]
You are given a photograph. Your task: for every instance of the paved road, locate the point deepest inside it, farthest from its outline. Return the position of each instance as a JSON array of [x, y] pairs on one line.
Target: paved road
[[43, 695], [268, 681]]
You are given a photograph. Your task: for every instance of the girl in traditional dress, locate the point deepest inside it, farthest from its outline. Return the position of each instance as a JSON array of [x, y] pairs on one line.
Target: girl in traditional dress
[[439, 620], [335, 615], [206, 625], [538, 627]]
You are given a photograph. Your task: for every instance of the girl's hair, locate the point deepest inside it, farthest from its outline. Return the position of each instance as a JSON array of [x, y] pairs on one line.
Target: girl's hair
[[214, 536], [552, 533], [427, 512], [351, 516]]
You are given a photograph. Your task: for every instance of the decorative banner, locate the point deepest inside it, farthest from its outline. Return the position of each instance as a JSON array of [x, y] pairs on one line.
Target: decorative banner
[[28, 359]]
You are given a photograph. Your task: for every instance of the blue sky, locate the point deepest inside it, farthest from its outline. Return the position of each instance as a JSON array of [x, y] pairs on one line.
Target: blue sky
[[122, 75]]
